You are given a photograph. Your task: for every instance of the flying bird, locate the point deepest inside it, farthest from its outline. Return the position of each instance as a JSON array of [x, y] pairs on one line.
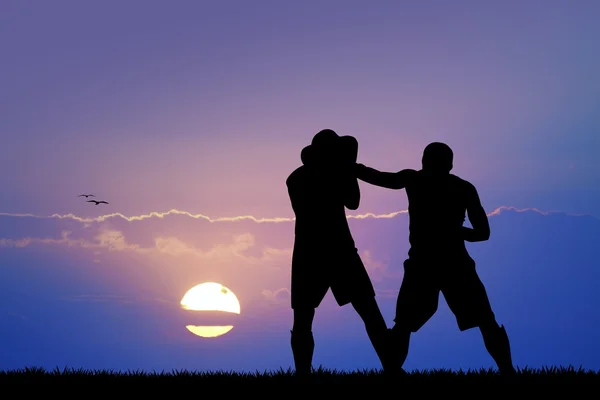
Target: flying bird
[[97, 202], [86, 195]]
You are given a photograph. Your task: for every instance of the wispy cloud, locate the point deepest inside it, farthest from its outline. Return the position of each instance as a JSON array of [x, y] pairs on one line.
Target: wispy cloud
[[246, 246], [277, 296], [160, 215], [154, 214], [112, 240], [501, 209], [65, 239], [176, 247]]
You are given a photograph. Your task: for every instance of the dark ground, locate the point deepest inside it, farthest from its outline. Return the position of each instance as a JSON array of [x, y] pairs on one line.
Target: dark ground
[[71, 378]]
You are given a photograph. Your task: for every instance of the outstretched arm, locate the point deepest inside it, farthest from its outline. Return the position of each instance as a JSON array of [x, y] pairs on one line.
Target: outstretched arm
[[389, 180], [478, 218]]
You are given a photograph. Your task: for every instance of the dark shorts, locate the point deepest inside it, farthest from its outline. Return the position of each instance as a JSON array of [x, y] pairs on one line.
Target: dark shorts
[[314, 272], [457, 281]]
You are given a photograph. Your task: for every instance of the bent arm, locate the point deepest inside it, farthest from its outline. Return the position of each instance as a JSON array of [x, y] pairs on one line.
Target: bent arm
[[478, 218], [350, 191], [296, 196], [389, 180]]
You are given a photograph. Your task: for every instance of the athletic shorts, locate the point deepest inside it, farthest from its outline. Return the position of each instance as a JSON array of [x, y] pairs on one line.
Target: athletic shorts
[[457, 281], [316, 271]]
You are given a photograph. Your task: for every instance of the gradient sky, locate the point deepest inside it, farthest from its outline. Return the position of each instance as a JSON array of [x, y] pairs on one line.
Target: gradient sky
[[204, 106]]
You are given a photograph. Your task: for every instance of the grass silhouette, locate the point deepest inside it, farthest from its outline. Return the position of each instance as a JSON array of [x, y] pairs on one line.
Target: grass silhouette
[[546, 375]]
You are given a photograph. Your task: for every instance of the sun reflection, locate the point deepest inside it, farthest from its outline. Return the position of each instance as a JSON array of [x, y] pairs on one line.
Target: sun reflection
[[209, 331]]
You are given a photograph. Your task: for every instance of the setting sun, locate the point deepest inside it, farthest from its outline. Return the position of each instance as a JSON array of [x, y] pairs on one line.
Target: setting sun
[[210, 296]]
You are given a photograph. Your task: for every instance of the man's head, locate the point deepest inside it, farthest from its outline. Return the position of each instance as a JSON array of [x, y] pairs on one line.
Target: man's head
[[437, 158]]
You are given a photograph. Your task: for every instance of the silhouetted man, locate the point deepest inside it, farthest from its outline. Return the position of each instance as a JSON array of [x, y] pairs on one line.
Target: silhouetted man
[[438, 261], [325, 256]]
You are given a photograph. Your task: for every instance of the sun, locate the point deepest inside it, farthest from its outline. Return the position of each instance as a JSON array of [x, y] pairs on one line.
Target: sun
[[210, 296]]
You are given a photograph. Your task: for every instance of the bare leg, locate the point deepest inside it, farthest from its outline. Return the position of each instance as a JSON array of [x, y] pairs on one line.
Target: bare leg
[[497, 344], [369, 312], [302, 341]]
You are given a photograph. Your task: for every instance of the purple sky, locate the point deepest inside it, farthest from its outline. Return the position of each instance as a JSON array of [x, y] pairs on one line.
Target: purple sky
[[204, 106]]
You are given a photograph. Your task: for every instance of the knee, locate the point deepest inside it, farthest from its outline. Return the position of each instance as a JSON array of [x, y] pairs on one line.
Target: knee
[[303, 320], [489, 325]]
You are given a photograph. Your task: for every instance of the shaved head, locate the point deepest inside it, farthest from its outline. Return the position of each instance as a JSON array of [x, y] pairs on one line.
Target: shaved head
[[438, 157]]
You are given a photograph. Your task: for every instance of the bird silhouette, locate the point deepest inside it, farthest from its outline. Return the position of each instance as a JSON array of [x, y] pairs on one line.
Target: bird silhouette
[[97, 202], [86, 195]]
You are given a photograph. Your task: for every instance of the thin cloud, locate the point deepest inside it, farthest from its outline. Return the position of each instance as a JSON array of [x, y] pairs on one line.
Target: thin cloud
[[277, 296], [114, 240], [161, 215], [176, 247], [240, 248], [154, 214], [501, 209]]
